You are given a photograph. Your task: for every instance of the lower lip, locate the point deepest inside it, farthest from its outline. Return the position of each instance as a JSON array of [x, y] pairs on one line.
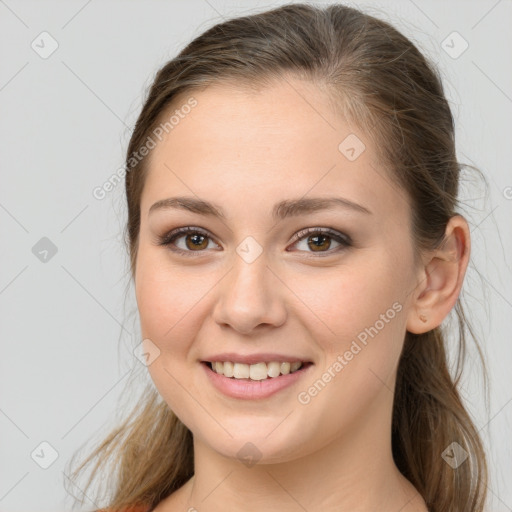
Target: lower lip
[[253, 389]]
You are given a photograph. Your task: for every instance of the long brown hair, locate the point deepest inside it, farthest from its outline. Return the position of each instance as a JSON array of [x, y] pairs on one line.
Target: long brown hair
[[378, 79]]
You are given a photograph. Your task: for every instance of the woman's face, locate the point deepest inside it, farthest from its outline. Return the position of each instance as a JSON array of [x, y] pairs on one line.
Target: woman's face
[[244, 285]]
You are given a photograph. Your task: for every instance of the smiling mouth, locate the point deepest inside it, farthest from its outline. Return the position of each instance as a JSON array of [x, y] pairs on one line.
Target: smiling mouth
[[255, 372]]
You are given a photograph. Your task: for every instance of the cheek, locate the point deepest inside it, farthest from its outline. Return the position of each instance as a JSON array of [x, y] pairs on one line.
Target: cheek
[[345, 302], [165, 296], [361, 330], [172, 305], [154, 304], [167, 310], [361, 336]]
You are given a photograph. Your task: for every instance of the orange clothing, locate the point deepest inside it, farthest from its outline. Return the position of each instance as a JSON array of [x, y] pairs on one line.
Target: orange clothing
[[140, 508]]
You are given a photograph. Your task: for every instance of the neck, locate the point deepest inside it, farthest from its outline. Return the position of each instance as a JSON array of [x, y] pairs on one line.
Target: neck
[[353, 472]]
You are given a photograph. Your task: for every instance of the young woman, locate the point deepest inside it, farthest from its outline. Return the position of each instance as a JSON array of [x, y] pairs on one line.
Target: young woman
[[295, 246]]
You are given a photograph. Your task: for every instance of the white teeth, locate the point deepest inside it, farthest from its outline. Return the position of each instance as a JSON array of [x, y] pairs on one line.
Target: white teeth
[[258, 371], [228, 368], [273, 369], [241, 371]]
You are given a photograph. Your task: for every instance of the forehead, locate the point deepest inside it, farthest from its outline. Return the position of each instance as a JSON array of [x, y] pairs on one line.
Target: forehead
[[280, 141], [290, 109]]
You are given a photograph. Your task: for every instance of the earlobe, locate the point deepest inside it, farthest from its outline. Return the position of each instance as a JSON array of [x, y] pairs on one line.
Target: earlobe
[[442, 278]]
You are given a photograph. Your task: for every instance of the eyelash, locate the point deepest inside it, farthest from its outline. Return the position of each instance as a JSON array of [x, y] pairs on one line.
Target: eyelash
[[344, 240]]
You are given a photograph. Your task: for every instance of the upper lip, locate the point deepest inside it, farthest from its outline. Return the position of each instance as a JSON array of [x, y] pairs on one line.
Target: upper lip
[[254, 358]]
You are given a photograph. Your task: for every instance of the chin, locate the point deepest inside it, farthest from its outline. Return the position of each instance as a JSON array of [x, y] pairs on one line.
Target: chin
[[256, 446]]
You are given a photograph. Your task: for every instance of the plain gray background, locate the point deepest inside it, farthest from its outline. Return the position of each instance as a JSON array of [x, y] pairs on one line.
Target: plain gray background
[[67, 333]]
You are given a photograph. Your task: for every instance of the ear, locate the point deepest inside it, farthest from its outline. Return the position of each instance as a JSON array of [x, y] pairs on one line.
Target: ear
[[440, 278]]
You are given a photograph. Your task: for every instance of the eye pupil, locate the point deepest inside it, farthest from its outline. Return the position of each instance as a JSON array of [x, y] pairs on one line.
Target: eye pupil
[[314, 246]]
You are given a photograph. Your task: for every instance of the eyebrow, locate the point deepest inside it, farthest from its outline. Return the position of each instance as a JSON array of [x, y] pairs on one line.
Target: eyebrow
[[281, 210]]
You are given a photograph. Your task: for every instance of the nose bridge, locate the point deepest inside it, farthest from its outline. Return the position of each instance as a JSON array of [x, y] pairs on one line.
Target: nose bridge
[[250, 295]]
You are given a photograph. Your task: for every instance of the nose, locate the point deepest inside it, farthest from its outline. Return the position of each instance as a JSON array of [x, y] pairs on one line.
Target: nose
[[250, 296]]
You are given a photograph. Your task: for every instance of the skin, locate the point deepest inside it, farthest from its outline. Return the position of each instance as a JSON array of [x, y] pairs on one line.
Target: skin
[[246, 150]]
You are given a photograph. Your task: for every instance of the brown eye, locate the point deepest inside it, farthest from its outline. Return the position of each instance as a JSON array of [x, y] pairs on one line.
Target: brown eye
[[196, 241], [318, 243]]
